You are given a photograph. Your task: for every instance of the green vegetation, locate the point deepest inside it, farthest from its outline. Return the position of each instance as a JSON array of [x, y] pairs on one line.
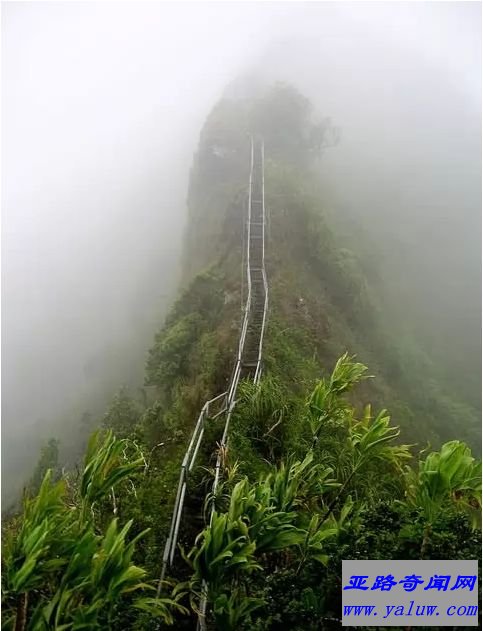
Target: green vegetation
[[335, 484], [312, 474], [65, 566], [339, 475]]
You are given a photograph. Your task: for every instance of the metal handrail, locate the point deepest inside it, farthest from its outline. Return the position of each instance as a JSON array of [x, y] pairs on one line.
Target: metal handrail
[[197, 435], [258, 371], [236, 376], [186, 467], [228, 397]]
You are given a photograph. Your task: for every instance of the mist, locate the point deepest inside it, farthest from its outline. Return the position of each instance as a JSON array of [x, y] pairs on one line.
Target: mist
[[403, 82], [102, 106]]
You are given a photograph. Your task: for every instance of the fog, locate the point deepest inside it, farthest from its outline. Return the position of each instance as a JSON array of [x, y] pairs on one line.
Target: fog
[[403, 82], [102, 104]]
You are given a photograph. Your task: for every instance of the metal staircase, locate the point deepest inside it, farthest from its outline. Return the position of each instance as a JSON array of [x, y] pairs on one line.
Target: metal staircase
[[252, 353], [248, 363]]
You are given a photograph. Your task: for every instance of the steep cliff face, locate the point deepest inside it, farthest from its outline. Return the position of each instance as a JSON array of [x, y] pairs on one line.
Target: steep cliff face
[[324, 299], [217, 188]]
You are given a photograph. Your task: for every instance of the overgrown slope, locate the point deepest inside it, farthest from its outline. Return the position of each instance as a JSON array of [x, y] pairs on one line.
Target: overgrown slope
[[334, 477], [324, 297]]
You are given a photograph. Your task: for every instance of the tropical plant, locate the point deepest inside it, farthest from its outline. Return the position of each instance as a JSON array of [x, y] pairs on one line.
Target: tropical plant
[[261, 519], [448, 478], [32, 553], [108, 461], [230, 610], [325, 406], [264, 410], [60, 572], [312, 547]]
